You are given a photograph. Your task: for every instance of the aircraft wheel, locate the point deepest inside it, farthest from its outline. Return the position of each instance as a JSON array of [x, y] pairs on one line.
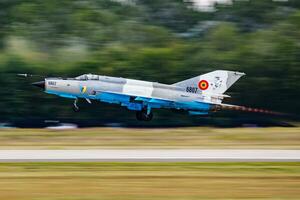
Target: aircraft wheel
[[149, 117], [142, 116]]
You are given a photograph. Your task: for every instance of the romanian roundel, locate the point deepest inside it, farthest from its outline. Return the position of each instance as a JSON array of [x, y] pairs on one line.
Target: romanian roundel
[[203, 85]]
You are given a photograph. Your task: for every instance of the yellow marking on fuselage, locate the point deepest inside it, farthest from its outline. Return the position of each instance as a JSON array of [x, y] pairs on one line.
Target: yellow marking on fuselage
[[84, 89]]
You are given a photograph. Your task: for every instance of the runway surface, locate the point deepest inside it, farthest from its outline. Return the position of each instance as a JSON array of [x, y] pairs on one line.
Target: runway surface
[[157, 155]]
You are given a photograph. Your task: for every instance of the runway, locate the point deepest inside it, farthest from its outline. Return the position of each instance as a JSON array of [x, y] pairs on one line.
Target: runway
[[157, 155]]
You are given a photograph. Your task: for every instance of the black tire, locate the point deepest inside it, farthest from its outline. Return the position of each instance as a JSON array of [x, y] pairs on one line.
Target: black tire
[[142, 116], [149, 117]]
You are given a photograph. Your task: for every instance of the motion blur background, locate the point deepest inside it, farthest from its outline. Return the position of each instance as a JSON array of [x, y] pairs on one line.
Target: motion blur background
[[154, 40]]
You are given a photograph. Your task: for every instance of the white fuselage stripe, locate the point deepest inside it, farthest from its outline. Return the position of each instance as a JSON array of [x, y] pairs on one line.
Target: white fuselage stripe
[[138, 88]]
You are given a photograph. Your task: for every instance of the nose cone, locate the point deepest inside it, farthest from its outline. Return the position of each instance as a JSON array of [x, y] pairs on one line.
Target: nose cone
[[40, 84]]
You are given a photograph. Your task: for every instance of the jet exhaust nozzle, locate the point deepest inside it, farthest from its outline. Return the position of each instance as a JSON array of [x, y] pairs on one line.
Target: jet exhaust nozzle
[[40, 84]]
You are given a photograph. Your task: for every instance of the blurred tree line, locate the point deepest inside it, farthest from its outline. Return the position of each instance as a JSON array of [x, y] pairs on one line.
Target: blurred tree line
[[154, 40]]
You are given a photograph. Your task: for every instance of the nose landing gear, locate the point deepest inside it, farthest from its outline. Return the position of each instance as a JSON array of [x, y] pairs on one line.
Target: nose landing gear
[[75, 106]]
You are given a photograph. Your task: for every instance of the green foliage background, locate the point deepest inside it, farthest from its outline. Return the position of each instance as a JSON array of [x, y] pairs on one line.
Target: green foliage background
[[165, 41]]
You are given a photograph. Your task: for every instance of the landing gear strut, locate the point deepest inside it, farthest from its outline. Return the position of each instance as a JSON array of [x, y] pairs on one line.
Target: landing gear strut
[[144, 115], [75, 106]]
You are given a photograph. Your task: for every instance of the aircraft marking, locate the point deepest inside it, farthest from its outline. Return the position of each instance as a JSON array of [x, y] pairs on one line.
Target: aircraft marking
[[83, 89], [203, 85]]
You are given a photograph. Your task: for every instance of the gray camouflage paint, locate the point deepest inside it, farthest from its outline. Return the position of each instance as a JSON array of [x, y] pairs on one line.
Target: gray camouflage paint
[[92, 88]]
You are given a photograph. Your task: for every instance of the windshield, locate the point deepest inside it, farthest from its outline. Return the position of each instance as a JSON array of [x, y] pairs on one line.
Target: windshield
[[86, 77]]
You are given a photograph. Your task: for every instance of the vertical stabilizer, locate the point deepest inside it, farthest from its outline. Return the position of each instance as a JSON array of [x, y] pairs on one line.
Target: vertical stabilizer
[[216, 82]]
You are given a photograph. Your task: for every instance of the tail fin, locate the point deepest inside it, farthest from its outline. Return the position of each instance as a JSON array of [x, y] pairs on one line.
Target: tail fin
[[216, 82]]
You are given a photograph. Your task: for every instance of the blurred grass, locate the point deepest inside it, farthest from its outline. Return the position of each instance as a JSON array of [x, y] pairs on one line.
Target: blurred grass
[[112, 181], [97, 138]]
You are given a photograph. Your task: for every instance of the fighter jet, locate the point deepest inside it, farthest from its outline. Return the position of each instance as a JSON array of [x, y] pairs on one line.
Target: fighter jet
[[199, 95]]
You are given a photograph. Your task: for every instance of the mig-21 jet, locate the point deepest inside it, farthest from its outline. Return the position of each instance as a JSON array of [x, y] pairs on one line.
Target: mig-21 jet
[[197, 96]]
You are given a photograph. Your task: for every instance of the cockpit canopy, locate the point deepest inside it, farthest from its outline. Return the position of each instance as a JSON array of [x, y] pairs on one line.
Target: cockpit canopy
[[86, 77]]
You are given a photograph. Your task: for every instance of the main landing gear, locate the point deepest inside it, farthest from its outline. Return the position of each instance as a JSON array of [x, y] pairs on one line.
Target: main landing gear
[[76, 107], [144, 115]]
